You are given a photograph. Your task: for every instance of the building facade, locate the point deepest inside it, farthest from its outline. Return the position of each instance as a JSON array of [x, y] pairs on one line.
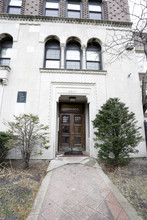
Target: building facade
[[56, 61]]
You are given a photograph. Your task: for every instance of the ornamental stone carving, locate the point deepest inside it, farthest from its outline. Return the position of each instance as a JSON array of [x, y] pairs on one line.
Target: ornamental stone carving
[[67, 71], [4, 71]]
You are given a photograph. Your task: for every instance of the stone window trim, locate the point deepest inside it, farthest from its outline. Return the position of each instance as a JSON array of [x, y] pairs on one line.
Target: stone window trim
[[4, 74]]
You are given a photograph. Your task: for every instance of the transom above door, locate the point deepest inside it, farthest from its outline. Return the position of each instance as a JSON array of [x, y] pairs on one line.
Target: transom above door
[[71, 127]]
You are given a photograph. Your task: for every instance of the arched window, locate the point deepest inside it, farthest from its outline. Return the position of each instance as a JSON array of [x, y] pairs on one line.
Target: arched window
[[95, 9], [93, 56], [14, 7], [52, 8], [73, 9], [5, 51], [73, 55], [52, 54]]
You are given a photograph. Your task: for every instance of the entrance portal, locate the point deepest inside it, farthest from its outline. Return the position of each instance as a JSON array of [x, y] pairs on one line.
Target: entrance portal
[[71, 127]]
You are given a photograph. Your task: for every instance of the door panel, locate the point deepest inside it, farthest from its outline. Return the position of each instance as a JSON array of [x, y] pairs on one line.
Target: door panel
[[71, 132]]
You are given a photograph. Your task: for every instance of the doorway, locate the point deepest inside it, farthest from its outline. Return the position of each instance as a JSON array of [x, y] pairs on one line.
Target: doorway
[[71, 127]]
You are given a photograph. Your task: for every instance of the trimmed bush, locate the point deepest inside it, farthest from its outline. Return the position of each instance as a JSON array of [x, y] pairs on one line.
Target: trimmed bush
[[117, 133], [4, 137]]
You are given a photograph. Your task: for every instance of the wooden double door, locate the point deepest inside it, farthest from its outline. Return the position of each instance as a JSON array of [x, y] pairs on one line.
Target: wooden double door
[[72, 128]]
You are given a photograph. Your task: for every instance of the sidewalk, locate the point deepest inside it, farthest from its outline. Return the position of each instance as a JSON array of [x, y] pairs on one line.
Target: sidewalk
[[77, 188]]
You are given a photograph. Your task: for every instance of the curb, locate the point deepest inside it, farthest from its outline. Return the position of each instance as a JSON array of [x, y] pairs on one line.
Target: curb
[[35, 211]]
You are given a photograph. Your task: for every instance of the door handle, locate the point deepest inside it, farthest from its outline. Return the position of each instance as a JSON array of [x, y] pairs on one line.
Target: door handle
[[72, 135]]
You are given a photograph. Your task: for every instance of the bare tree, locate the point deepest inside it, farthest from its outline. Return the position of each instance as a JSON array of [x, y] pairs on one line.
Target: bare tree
[[119, 44], [26, 134]]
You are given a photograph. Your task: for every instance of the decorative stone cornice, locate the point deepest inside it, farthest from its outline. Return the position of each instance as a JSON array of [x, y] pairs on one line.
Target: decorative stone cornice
[[5, 82], [83, 47], [5, 68], [73, 83], [4, 74], [32, 18], [63, 45], [69, 71]]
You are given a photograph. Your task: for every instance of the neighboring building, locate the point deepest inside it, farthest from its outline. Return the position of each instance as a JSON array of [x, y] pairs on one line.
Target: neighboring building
[[142, 66], [142, 70], [53, 63]]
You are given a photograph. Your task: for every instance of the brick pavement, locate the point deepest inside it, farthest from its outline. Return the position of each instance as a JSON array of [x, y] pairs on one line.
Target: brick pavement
[[79, 191]]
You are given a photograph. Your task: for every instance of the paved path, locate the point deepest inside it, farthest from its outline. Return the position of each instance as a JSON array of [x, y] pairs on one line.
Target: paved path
[[79, 191]]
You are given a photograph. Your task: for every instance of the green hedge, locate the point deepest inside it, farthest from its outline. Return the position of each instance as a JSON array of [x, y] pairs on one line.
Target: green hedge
[[4, 137]]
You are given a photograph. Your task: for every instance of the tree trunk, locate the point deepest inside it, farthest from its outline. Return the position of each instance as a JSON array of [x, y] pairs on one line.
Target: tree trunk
[[25, 159], [25, 164]]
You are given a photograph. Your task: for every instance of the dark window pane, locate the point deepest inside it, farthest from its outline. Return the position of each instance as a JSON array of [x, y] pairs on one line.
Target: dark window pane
[[14, 10], [52, 12], [52, 44], [78, 119], [73, 65], [77, 140], [5, 62], [73, 46], [77, 129], [53, 54], [7, 44], [65, 129], [93, 66], [65, 140], [73, 14], [65, 119], [95, 15]]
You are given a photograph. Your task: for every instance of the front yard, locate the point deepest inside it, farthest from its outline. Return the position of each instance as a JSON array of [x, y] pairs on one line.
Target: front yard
[[131, 180], [18, 188]]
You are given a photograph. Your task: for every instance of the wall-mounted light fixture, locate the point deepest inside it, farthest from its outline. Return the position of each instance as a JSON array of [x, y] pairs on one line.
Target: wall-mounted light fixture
[[129, 75], [72, 99], [130, 46]]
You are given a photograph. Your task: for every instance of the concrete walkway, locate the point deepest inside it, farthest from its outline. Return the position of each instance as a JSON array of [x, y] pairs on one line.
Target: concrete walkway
[[77, 188]]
